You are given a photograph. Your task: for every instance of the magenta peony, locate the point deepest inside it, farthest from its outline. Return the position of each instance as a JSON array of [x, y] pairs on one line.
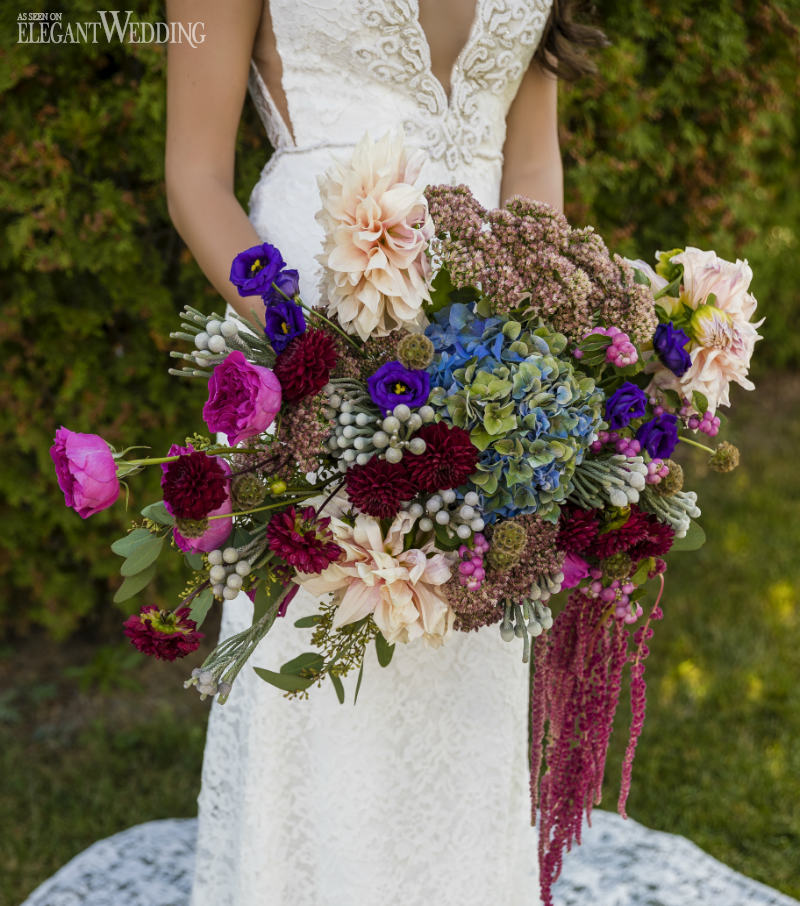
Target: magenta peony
[[86, 471], [243, 399]]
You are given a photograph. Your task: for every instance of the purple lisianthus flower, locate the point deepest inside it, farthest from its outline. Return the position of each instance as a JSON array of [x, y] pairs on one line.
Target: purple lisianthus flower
[[393, 384], [254, 270], [286, 283], [86, 471], [284, 321], [624, 405], [243, 399], [659, 436], [669, 343]]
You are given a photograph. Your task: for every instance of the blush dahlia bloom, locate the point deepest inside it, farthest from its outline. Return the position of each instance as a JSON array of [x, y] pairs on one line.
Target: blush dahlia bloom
[[243, 399], [377, 228], [400, 588], [162, 634], [722, 332], [86, 471]]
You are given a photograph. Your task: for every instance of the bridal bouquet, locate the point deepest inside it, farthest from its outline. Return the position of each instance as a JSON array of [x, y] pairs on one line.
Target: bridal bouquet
[[481, 413]]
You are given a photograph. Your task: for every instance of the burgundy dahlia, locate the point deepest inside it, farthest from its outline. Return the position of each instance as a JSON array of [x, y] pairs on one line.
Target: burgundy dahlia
[[379, 487], [448, 461], [655, 541], [194, 484], [302, 540], [622, 538], [163, 634], [304, 367], [577, 529]]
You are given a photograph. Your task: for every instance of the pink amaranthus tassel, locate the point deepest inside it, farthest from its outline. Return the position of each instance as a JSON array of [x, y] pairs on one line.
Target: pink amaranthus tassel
[[575, 690]]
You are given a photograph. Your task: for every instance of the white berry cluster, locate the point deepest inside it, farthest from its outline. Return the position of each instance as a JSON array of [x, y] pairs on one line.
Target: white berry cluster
[[214, 338], [360, 432], [444, 508], [227, 572]]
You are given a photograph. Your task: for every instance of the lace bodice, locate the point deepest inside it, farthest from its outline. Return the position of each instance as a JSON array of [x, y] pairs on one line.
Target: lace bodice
[[347, 63]]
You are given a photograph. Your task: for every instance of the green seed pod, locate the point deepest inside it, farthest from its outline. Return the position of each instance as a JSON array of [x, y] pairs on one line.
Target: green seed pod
[[617, 566], [415, 351], [247, 490], [191, 528], [725, 458], [507, 543], [673, 482]]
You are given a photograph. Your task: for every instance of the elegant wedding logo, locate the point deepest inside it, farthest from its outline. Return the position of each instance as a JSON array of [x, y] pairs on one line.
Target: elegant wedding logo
[[113, 25]]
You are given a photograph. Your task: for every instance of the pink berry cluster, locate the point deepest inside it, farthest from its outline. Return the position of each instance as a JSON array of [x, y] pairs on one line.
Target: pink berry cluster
[[708, 424], [627, 446], [621, 352], [618, 593], [471, 571], [656, 470]]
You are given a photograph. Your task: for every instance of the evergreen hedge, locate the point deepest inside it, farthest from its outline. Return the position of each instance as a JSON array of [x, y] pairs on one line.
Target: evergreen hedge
[[688, 134]]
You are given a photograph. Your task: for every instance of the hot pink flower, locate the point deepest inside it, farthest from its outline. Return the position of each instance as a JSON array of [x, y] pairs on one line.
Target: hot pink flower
[[86, 471], [243, 399]]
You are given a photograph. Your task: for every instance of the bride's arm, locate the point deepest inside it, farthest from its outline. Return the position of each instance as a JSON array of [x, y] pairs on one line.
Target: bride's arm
[[206, 87], [531, 155]]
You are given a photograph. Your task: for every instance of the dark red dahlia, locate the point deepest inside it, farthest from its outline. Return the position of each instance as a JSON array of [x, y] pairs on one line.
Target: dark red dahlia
[[448, 461], [302, 540], [379, 487], [655, 541], [577, 529], [194, 484], [304, 367], [163, 634], [608, 543]]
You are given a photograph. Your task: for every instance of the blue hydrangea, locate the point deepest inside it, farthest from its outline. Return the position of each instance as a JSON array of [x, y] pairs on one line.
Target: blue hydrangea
[[528, 411]]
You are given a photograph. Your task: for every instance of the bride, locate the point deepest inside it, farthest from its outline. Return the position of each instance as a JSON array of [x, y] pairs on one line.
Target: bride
[[418, 794]]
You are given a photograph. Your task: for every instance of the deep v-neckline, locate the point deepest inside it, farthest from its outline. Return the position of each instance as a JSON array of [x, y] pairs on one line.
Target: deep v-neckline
[[457, 69]]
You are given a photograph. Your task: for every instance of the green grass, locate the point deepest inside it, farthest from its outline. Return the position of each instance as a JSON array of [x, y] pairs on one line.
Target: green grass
[[83, 755]]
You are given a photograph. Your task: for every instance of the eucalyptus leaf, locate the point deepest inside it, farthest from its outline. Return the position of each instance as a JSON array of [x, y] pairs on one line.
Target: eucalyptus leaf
[[384, 650], [194, 561], [358, 682], [200, 606], [699, 401], [308, 662], [642, 571], [308, 622], [157, 512], [143, 555], [693, 540], [124, 547], [134, 584], [339, 687], [288, 682]]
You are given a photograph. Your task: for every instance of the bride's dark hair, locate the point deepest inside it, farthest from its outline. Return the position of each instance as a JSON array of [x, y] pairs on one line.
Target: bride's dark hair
[[565, 44]]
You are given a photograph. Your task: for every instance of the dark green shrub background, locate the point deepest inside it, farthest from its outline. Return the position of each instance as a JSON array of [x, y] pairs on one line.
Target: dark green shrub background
[[689, 134]]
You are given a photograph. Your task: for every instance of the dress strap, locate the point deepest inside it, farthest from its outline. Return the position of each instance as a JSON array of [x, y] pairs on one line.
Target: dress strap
[[274, 124]]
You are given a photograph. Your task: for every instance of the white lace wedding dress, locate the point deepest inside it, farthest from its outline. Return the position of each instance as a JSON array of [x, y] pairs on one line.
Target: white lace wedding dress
[[419, 793]]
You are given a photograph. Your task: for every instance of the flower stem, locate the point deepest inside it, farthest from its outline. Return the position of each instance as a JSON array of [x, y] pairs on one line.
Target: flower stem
[[315, 314], [694, 443], [211, 451]]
